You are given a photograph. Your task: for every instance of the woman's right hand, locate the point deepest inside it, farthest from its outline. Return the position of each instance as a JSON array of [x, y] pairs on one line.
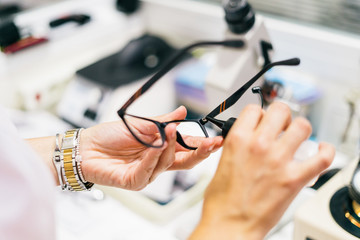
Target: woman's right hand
[[257, 179]]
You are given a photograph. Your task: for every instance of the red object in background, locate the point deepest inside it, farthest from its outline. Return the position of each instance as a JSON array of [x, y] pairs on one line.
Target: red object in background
[[38, 97], [23, 43]]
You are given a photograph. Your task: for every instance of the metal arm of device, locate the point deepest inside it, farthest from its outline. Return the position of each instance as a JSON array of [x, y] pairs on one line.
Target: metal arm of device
[[234, 67]]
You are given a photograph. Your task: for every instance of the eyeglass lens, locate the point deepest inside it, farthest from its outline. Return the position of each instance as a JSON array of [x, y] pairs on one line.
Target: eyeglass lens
[[190, 132], [150, 133]]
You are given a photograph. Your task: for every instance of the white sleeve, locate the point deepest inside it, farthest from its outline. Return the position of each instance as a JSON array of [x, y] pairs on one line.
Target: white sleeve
[[27, 189]]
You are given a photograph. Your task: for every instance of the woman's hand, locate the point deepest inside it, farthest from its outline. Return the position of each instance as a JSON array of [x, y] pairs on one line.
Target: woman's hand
[[257, 179], [112, 156]]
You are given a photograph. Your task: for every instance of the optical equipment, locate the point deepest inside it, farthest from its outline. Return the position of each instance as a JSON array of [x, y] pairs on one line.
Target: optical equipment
[[334, 212], [154, 133], [127, 6], [235, 67], [239, 16]]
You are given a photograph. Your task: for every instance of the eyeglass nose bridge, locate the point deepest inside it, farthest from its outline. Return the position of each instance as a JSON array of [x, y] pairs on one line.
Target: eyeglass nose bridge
[[181, 141], [179, 137]]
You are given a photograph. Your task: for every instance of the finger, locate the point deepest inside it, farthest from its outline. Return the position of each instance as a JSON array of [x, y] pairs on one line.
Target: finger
[[248, 119], [142, 127], [298, 131], [204, 143], [147, 166], [168, 155], [312, 167], [276, 119], [189, 158], [177, 114], [191, 141]]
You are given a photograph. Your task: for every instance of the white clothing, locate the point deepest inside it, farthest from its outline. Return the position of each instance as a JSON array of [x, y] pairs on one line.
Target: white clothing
[[26, 189]]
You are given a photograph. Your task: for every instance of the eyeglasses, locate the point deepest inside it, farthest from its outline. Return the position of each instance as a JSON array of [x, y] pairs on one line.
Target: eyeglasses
[[151, 133]]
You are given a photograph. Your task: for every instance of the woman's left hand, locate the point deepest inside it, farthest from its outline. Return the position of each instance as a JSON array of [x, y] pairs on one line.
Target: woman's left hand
[[111, 156]]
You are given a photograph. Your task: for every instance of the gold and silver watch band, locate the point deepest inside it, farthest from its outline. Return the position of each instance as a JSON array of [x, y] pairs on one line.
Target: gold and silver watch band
[[67, 161]]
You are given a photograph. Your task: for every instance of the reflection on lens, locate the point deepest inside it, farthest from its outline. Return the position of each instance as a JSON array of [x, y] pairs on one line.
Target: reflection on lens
[[145, 130], [190, 132]]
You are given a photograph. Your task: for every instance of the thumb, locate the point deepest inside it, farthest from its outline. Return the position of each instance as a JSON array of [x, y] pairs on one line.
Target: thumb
[[177, 114]]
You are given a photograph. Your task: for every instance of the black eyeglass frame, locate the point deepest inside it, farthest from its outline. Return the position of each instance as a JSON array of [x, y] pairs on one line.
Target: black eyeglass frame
[[231, 100], [161, 127]]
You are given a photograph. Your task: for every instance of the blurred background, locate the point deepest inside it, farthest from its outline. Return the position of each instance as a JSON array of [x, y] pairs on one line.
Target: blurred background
[[74, 63]]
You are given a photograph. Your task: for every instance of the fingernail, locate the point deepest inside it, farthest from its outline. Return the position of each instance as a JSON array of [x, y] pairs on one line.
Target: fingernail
[[211, 148]]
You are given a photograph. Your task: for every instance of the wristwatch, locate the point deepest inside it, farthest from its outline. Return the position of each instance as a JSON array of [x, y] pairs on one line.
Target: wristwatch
[[70, 162]]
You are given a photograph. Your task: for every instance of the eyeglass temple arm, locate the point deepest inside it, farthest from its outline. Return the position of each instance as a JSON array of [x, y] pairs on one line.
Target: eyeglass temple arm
[[237, 95], [173, 62]]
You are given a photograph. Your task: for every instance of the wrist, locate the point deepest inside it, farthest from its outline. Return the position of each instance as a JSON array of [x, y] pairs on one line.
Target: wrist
[[214, 231], [217, 224], [44, 147]]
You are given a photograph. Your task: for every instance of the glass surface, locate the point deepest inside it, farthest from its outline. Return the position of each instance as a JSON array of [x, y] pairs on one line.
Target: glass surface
[[144, 130]]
